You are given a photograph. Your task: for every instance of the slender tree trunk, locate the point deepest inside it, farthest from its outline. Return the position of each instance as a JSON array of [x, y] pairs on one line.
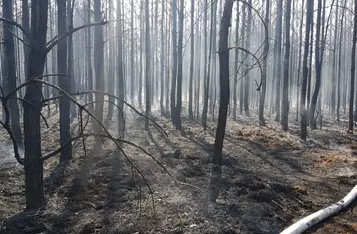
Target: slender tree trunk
[[26, 26], [285, 101], [89, 55], [198, 74], [72, 80], [111, 61], [241, 90], [277, 57], [216, 175], [120, 67], [174, 62], [318, 65], [10, 70], [299, 61], [205, 67], [265, 65], [32, 126], [190, 93], [168, 68], [303, 111], [353, 67], [179, 71], [99, 70], [148, 59], [163, 55], [141, 54], [339, 65], [213, 72], [334, 68], [247, 75], [236, 61], [64, 83], [132, 42]]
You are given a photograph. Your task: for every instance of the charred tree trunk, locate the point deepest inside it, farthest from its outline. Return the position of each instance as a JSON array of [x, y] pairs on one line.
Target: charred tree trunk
[[277, 57], [236, 61], [247, 75], [64, 83], [174, 62], [205, 68], [303, 111], [132, 42], [190, 93], [353, 67], [72, 81], [265, 65], [32, 125], [120, 67], [299, 66], [162, 60], [241, 90], [99, 70], [285, 101], [339, 65], [179, 67], [111, 70], [89, 55], [10, 70], [318, 65], [334, 68], [216, 176], [148, 60]]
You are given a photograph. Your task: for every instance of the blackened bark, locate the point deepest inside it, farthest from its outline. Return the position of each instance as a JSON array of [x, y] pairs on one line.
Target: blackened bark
[[216, 177], [236, 61], [241, 90], [318, 66], [10, 70], [265, 65], [99, 70], [174, 62], [132, 52], [64, 83], [190, 93], [70, 57], [246, 70], [285, 101], [89, 55], [32, 128], [277, 58], [339, 65], [353, 67], [120, 67], [303, 110], [147, 60], [179, 69]]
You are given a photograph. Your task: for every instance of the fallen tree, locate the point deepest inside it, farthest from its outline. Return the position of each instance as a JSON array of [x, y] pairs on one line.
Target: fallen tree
[[317, 217]]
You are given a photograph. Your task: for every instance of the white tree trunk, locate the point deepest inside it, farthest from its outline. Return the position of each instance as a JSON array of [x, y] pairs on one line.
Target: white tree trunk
[[315, 218]]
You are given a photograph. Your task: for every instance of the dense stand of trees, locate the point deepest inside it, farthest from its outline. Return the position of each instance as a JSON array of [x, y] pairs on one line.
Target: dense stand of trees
[[282, 58]]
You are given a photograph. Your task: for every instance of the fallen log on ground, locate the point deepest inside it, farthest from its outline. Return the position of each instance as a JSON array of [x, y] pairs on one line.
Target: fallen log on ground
[[317, 217]]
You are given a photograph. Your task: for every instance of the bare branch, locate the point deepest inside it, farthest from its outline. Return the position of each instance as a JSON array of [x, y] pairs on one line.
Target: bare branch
[[54, 41], [27, 82], [27, 101], [26, 33], [113, 96], [255, 57], [18, 38]]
